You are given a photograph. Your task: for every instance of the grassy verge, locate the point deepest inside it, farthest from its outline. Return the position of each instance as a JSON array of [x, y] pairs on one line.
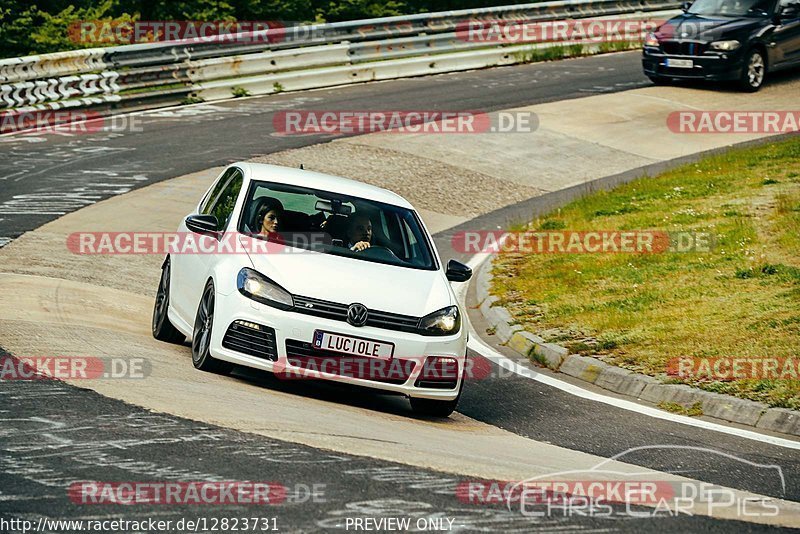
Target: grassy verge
[[564, 51], [741, 299]]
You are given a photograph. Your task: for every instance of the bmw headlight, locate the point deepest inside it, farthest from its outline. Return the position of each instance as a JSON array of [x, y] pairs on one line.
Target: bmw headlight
[[258, 287], [444, 322], [651, 40], [726, 46]]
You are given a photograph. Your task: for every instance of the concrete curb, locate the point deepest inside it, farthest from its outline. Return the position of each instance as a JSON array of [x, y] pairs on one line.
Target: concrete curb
[[623, 381]]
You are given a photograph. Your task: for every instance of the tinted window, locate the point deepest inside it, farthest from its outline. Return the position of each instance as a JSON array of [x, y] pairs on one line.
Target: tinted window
[[223, 207], [337, 224], [211, 196], [732, 8], [792, 6]]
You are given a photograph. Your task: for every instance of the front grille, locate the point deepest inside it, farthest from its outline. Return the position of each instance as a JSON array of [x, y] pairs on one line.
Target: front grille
[[683, 48], [306, 356], [338, 312], [251, 339], [320, 308]]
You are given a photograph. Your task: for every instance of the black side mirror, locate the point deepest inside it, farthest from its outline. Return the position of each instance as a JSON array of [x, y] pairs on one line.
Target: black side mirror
[[203, 224], [685, 6], [790, 12], [457, 271]]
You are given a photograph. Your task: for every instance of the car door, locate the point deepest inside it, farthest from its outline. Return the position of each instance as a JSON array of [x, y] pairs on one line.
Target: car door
[[190, 271], [787, 33]]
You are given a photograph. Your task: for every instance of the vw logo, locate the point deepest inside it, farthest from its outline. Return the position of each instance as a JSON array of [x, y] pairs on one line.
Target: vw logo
[[357, 314]]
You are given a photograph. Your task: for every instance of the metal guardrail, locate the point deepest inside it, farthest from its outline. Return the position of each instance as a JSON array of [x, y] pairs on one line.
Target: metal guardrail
[[292, 58]]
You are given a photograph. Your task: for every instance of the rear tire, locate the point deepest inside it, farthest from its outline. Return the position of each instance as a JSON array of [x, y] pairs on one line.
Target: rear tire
[[754, 72], [163, 329], [201, 335]]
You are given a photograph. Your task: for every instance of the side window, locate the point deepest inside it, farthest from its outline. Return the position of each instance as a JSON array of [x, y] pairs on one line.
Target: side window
[[208, 201], [223, 207], [792, 6]]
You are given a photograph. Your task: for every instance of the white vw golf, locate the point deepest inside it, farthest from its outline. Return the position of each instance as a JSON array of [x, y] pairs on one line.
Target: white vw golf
[[312, 276]]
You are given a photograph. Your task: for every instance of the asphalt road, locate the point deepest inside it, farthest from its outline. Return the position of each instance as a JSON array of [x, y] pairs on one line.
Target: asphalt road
[[53, 433], [42, 177]]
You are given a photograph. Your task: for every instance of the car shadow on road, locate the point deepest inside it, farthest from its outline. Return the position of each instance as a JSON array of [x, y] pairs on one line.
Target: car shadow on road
[[328, 391], [773, 80]]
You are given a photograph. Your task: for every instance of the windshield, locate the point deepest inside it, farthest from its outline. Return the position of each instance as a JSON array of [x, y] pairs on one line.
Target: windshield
[[336, 224], [732, 8]]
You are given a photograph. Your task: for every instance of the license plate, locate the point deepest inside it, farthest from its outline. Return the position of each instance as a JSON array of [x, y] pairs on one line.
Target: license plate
[[679, 63], [355, 346]]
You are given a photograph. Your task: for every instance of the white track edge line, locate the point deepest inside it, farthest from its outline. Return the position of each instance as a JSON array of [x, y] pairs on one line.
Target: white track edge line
[[477, 344]]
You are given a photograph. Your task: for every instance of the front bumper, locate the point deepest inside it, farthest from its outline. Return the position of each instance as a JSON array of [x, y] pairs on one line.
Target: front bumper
[[714, 67], [410, 353]]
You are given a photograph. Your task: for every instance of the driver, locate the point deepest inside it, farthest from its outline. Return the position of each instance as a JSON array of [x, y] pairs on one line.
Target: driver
[[269, 216], [359, 233]]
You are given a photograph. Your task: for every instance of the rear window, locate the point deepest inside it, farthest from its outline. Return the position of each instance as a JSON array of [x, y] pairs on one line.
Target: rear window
[[337, 224]]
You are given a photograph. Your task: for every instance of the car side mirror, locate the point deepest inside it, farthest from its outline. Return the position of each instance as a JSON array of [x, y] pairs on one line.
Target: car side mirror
[[203, 224], [457, 271], [685, 6], [789, 12]]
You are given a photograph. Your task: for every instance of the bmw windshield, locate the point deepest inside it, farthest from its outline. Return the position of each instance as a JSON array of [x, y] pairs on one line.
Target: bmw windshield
[[336, 224], [732, 8]]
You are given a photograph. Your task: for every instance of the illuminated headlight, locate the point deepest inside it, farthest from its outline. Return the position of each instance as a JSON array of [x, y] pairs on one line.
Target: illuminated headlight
[[444, 322], [258, 287], [651, 40], [725, 46]]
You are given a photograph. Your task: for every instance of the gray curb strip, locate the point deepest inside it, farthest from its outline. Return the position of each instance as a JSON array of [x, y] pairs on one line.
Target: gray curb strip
[[622, 381]]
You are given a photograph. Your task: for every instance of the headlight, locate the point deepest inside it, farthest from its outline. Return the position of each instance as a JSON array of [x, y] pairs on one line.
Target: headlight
[[444, 322], [258, 287], [725, 46], [651, 40]]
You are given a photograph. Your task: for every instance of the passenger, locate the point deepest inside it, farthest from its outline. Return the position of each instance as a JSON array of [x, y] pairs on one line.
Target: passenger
[[359, 233], [269, 216]]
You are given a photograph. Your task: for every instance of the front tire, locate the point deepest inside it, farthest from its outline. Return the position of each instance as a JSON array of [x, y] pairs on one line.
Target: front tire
[[201, 335], [162, 328], [754, 72], [659, 80], [437, 408], [433, 408]]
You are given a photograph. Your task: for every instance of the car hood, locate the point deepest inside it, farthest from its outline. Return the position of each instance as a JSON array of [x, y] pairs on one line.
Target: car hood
[[706, 28], [346, 280]]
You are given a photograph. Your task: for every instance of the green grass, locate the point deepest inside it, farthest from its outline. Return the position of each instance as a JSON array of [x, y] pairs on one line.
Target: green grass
[[559, 51], [694, 410], [740, 299], [239, 92]]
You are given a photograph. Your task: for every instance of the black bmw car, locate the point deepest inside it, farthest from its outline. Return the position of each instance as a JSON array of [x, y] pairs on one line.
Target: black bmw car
[[740, 40]]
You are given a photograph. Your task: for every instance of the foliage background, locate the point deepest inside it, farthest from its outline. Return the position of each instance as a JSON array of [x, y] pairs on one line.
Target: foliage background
[[41, 26]]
